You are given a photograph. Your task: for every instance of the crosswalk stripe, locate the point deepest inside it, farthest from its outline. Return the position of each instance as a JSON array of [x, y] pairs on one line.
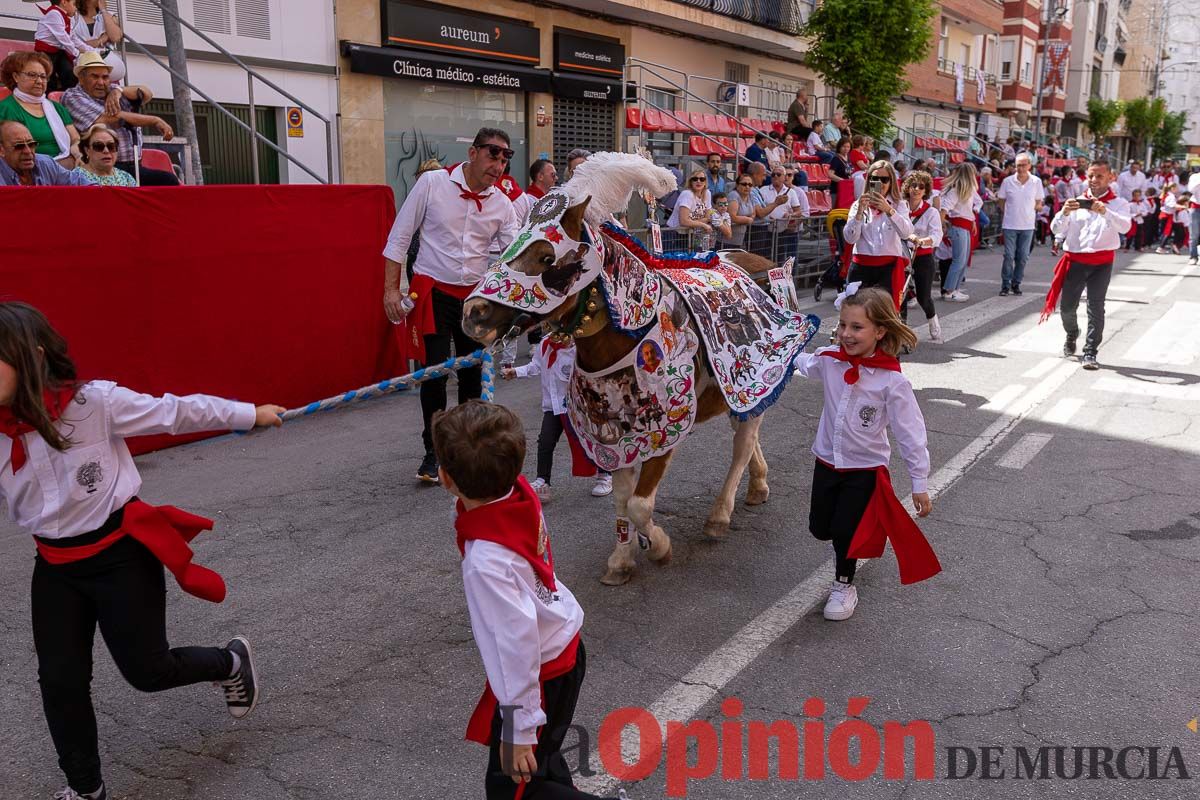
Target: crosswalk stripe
[[1003, 397], [1173, 339], [1024, 451], [1062, 411], [1044, 366]]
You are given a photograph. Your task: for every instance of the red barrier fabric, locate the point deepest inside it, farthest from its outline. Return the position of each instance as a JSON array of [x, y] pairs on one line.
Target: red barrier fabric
[[267, 294]]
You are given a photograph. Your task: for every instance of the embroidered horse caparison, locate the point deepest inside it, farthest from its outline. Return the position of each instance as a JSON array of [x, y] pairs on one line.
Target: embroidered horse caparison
[[663, 342]]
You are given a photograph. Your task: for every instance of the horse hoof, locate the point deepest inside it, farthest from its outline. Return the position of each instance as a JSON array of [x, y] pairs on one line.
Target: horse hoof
[[715, 529], [617, 577], [664, 559], [756, 497]]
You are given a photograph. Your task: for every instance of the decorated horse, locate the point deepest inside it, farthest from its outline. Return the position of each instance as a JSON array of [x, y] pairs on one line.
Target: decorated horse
[[664, 342]]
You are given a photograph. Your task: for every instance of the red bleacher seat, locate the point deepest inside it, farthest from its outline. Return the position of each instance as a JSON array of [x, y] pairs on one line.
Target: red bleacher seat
[[711, 125], [157, 159], [56, 96], [727, 126], [697, 146], [652, 120], [633, 117], [727, 148], [693, 119], [742, 144], [778, 127], [4, 92], [745, 126]]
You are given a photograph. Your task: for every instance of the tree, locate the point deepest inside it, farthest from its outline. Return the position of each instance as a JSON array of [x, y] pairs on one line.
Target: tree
[[863, 47], [1169, 135], [1102, 117], [1143, 118]]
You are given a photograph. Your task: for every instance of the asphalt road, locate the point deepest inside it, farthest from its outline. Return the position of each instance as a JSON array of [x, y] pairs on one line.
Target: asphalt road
[[1067, 518]]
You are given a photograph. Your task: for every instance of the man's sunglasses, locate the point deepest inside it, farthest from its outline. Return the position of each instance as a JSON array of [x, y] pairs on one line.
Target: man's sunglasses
[[100, 147], [30, 146], [745, 184], [496, 151]]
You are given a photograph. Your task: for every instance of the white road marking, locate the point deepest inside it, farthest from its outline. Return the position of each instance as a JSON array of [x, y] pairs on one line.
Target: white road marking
[[1042, 367], [685, 699], [1062, 411], [962, 322], [1174, 282], [1167, 391], [1173, 339], [1003, 397], [998, 282], [1021, 453]]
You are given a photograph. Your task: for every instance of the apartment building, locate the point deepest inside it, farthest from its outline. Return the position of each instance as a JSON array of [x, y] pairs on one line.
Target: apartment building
[[419, 78], [955, 89], [1034, 57], [1099, 38]]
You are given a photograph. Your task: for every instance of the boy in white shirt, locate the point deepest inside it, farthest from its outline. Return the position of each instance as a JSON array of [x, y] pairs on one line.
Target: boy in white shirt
[[525, 622]]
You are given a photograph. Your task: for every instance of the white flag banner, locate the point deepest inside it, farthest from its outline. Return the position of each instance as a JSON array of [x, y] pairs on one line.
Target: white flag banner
[[959, 88], [980, 86]]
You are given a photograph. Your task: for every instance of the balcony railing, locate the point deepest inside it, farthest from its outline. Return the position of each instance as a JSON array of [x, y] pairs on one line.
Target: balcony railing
[[946, 67], [785, 16]]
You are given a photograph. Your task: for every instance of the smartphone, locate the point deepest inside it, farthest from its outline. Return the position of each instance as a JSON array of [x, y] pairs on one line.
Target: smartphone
[[1084, 202], [875, 185]]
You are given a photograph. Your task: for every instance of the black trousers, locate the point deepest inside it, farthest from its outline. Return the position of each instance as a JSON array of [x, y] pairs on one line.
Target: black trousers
[[447, 317], [552, 430], [1095, 280], [873, 276], [150, 177], [943, 271], [839, 500], [62, 76], [923, 269], [553, 778], [123, 590]]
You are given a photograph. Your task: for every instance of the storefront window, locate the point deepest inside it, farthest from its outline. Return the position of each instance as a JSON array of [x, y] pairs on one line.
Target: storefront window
[[430, 120]]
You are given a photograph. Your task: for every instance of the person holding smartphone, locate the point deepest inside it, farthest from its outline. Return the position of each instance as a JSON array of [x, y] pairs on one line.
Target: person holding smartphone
[[1091, 227], [877, 226]]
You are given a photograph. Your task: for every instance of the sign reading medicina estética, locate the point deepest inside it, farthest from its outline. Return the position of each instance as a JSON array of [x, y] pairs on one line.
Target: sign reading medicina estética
[[444, 30]]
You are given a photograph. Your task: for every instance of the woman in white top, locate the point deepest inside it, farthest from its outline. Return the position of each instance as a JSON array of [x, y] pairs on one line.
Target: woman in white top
[[691, 214], [96, 28], [960, 203], [877, 226], [927, 232], [780, 151]]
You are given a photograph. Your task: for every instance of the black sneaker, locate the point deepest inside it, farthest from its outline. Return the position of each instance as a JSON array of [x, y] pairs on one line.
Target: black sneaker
[[1004, 292], [241, 691], [428, 471], [1069, 347], [1090, 362], [1016, 289]]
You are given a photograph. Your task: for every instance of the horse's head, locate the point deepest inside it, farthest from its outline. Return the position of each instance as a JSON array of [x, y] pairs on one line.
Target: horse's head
[[553, 258]]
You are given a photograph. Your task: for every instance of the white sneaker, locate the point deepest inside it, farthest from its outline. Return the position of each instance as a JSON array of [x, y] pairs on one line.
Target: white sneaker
[[1160, 251], [958, 297], [603, 487], [935, 330], [843, 599], [541, 489]]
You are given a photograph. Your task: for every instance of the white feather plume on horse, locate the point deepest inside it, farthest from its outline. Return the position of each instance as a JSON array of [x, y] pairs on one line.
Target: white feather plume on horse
[[609, 179]]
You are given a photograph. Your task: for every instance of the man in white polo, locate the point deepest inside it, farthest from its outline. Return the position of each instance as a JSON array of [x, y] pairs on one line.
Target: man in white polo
[[1021, 196], [460, 214]]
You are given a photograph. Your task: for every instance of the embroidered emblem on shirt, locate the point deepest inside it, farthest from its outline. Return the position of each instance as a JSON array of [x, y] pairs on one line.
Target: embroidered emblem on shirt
[[89, 475], [867, 415], [545, 595]]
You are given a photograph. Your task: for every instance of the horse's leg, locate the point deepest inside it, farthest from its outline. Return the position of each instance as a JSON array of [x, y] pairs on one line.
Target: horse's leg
[[745, 437], [621, 562], [641, 507], [759, 491]]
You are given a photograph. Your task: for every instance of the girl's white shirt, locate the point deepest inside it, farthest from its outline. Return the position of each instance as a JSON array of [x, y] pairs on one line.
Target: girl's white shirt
[[852, 433], [56, 494]]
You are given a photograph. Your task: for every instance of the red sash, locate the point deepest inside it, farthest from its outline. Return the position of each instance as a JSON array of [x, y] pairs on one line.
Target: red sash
[[45, 47], [165, 531], [411, 333], [898, 263], [886, 519], [1060, 275], [515, 523]]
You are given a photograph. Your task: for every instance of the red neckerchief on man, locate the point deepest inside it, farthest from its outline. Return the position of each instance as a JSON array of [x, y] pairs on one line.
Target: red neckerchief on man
[[535, 191], [877, 360], [14, 428], [1064, 264]]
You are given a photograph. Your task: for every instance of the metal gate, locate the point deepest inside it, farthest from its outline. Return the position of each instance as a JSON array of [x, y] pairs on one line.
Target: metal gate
[[225, 147], [590, 124]]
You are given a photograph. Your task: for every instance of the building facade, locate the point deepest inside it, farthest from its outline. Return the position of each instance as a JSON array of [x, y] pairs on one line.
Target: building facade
[[1179, 74], [1034, 57], [290, 42], [1099, 36], [954, 91], [419, 78]]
